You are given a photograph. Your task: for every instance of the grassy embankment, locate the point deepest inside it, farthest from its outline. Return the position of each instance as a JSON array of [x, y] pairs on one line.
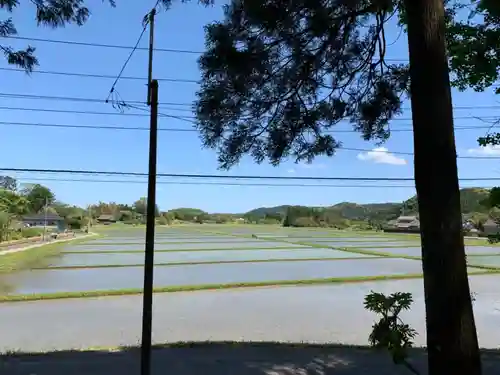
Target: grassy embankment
[[31, 257], [207, 287]]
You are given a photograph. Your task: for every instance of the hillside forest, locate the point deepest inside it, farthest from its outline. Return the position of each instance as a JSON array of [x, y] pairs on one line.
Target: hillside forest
[[18, 200]]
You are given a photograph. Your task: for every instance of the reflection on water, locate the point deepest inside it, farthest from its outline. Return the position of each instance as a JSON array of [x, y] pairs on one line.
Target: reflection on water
[[53, 281], [50, 280]]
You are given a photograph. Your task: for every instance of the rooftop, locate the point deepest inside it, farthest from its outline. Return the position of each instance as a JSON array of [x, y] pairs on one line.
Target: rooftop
[[42, 217]]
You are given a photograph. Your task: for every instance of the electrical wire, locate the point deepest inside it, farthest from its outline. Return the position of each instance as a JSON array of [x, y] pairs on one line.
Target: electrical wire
[[231, 177], [177, 104], [84, 100], [114, 127], [100, 76], [212, 183], [136, 46], [133, 128], [163, 114], [50, 110], [169, 50]]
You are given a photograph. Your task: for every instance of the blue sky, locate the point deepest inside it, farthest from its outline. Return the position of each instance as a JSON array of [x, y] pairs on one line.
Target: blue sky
[[181, 152]]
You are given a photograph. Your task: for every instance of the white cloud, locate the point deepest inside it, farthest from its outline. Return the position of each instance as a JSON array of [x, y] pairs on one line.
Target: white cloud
[[313, 166], [381, 155], [488, 150]]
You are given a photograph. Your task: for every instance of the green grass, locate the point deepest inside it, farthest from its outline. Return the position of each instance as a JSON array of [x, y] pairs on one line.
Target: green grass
[[193, 288], [173, 264], [207, 287], [19, 354]]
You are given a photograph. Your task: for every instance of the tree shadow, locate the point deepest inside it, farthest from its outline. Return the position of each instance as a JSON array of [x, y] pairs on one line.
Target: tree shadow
[[224, 358]]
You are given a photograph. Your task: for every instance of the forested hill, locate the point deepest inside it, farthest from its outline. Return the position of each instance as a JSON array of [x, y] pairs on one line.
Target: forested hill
[[470, 198]]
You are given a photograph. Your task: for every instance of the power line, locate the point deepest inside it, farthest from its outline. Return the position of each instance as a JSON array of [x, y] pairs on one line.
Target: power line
[[128, 104], [100, 76], [93, 100], [91, 112], [231, 177], [97, 127], [214, 183], [144, 27], [115, 127], [100, 45], [177, 104], [118, 127], [179, 175], [174, 80], [77, 99]]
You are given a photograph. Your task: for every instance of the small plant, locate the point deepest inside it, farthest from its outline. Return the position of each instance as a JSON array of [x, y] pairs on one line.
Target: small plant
[[390, 332]]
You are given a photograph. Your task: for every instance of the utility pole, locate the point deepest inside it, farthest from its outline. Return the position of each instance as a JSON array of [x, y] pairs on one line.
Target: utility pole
[[452, 341], [147, 302], [45, 220], [90, 218]]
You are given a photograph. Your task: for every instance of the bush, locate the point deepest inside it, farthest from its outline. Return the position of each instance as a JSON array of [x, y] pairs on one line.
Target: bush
[[390, 332], [31, 232], [162, 220]]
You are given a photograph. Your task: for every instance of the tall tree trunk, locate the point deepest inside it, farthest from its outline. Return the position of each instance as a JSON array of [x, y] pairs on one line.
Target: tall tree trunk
[[451, 331]]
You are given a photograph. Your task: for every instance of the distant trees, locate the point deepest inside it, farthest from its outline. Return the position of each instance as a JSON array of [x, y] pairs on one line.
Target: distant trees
[[302, 216], [140, 206], [38, 196]]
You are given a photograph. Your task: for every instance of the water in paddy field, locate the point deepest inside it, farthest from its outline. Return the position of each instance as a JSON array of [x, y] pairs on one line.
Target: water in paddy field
[[268, 313], [125, 248]]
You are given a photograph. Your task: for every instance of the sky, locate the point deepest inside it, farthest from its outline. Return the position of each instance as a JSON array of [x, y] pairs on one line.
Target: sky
[[182, 28]]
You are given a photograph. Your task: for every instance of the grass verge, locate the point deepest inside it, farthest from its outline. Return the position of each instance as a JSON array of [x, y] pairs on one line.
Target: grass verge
[[16, 354], [193, 288], [208, 287], [208, 262], [29, 258]]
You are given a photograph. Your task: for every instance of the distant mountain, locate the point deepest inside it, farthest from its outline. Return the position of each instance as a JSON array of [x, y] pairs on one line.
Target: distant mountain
[[470, 198]]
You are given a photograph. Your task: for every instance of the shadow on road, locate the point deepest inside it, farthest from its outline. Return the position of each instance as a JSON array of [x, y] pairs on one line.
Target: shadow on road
[[222, 359]]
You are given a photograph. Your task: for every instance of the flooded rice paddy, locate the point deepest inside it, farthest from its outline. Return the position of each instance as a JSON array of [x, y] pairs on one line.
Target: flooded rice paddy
[[113, 262]]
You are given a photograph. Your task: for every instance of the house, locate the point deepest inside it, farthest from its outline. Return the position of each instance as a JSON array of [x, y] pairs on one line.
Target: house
[[404, 224], [407, 222], [491, 227], [40, 220], [106, 219]]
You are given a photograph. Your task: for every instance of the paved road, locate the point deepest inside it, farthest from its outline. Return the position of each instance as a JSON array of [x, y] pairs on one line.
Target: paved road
[[319, 314], [244, 359]]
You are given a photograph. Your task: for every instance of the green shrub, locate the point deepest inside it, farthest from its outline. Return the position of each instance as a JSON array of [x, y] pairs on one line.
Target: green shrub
[[162, 220], [31, 232]]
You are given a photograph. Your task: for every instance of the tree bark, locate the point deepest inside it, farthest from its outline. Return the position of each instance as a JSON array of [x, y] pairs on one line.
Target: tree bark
[[451, 332]]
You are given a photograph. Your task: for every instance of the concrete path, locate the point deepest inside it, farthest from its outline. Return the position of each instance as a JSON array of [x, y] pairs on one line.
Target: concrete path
[[312, 314], [38, 244]]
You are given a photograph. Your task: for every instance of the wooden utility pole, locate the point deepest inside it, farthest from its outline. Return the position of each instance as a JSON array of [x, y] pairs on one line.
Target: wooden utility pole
[[89, 218], [147, 302], [44, 236], [452, 343]]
